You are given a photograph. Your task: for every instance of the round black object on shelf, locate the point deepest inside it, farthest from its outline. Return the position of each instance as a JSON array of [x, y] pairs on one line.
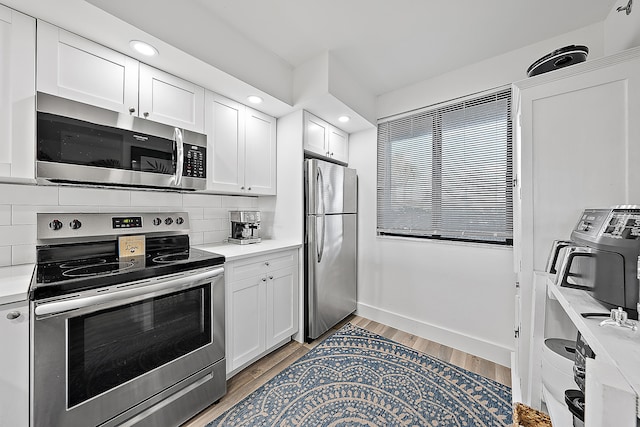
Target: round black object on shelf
[[559, 58]]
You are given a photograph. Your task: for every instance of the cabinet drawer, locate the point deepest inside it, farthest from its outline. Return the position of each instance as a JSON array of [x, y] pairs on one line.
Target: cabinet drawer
[[261, 264]]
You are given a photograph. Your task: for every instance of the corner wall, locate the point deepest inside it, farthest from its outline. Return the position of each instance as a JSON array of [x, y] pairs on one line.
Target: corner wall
[[460, 295]]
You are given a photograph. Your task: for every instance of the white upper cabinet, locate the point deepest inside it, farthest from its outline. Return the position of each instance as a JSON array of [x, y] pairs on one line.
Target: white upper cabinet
[[260, 153], [168, 99], [73, 67], [225, 143], [325, 140], [17, 94], [241, 148], [76, 68]]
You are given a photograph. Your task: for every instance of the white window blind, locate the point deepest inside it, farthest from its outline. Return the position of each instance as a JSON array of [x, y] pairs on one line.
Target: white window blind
[[446, 172]]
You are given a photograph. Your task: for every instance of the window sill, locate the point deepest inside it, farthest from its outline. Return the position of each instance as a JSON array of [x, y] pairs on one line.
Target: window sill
[[448, 242]]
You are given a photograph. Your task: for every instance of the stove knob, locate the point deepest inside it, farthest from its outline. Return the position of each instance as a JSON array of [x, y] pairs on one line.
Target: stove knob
[[55, 225], [157, 221], [168, 221], [75, 224], [179, 220]]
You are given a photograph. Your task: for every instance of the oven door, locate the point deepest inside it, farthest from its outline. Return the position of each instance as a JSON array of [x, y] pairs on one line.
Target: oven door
[[98, 355]]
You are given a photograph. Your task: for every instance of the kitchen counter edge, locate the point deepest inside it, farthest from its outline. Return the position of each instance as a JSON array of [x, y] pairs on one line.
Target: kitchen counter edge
[[14, 283], [233, 252]]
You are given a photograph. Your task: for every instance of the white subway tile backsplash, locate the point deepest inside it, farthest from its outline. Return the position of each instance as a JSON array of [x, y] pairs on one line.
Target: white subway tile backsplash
[[216, 213], [17, 234], [208, 213], [215, 236], [201, 200], [156, 198], [196, 239], [15, 194], [5, 214], [5, 256], [239, 202], [198, 225], [94, 196], [194, 213], [23, 254]]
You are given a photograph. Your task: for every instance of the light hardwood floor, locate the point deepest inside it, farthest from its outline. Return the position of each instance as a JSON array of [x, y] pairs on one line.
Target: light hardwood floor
[[257, 374]]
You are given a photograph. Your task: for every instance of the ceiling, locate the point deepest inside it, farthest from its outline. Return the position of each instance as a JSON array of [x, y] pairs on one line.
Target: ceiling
[[389, 44]]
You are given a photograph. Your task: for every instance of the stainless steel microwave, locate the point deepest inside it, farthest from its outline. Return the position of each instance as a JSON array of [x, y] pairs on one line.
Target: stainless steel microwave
[[81, 144]]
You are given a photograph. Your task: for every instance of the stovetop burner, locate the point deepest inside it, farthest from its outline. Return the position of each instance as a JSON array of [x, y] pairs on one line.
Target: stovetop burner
[[97, 269], [75, 265]]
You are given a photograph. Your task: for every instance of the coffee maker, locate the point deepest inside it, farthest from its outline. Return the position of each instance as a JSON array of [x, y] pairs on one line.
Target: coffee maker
[[245, 226]]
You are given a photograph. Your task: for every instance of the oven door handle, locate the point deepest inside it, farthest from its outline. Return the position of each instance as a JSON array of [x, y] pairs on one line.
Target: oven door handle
[[176, 284]]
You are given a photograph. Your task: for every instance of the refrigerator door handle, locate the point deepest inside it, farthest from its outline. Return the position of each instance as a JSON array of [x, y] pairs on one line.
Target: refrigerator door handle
[[320, 193]]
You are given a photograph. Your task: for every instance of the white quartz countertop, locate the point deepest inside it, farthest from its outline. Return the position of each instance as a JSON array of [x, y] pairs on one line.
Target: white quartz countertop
[[14, 283], [233, 251]]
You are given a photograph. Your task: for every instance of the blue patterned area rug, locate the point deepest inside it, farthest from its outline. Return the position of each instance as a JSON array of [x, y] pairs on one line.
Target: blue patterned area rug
[[358, 378]]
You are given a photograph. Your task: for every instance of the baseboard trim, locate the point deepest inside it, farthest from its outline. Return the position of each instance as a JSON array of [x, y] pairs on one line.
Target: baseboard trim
[[484, 349]]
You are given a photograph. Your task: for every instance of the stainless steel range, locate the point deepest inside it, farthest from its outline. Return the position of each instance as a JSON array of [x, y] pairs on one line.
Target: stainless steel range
[[127, 321]]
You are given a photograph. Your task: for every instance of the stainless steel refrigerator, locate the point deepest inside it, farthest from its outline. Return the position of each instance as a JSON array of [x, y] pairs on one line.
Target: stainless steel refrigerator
[[331, 199]]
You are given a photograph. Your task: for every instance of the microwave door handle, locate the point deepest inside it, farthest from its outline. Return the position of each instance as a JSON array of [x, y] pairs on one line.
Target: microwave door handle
[[178, 140], [562, 279], [553, 255]]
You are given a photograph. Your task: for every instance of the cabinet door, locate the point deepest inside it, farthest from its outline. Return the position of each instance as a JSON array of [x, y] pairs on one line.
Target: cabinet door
[[282, 305], [17, 94], [316, 135], [246, 317], [260, 153], [338, 145], [14, 359], [170, 100], [75, 68], [225, 144]]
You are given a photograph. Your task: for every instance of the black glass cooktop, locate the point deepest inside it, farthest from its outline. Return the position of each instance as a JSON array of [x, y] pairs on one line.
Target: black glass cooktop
[[67, 268]]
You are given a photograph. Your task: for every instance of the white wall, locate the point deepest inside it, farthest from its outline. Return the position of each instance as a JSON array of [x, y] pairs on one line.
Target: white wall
[[461, 295], [621, 31], [19, 204]]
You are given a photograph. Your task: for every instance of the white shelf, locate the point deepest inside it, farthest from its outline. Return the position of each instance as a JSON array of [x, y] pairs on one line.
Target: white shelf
[[617, 346], [558, 411]]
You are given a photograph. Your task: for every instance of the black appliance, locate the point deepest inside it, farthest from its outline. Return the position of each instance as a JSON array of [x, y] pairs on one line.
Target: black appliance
[[559, 58], [79, 143], [602, 257], [127, 321], [575, 398]]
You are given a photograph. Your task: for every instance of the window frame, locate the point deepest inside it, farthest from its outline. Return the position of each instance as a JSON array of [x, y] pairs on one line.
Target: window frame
[[436, 111]]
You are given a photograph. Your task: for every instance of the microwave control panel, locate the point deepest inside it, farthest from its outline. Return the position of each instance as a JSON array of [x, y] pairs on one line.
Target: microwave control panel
[[623, 224], [195, 158]]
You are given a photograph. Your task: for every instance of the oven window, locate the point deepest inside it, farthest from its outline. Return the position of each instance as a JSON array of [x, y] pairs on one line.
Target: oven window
[[110, 347]]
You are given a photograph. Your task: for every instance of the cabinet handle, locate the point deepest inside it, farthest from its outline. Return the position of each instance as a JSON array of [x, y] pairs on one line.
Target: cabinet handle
[[264, 279], [242, 188], [270, 277], [13, 315], [331, 154], [145, 114], [266, 263], [132, 110], [249, 188]]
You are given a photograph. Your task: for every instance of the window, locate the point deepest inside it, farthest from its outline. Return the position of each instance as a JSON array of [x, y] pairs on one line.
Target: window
[[446, 172]]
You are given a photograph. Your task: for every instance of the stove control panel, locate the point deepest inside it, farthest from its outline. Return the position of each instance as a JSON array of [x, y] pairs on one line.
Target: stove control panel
[[53, 226]]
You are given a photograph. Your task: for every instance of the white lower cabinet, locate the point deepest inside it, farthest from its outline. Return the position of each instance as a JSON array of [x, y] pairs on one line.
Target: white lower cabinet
[[262, 305], [14, 360]]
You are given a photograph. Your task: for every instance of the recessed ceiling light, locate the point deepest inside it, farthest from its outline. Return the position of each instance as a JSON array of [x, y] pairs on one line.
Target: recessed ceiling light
[[143, 48], [254, 99], [344, 119]]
